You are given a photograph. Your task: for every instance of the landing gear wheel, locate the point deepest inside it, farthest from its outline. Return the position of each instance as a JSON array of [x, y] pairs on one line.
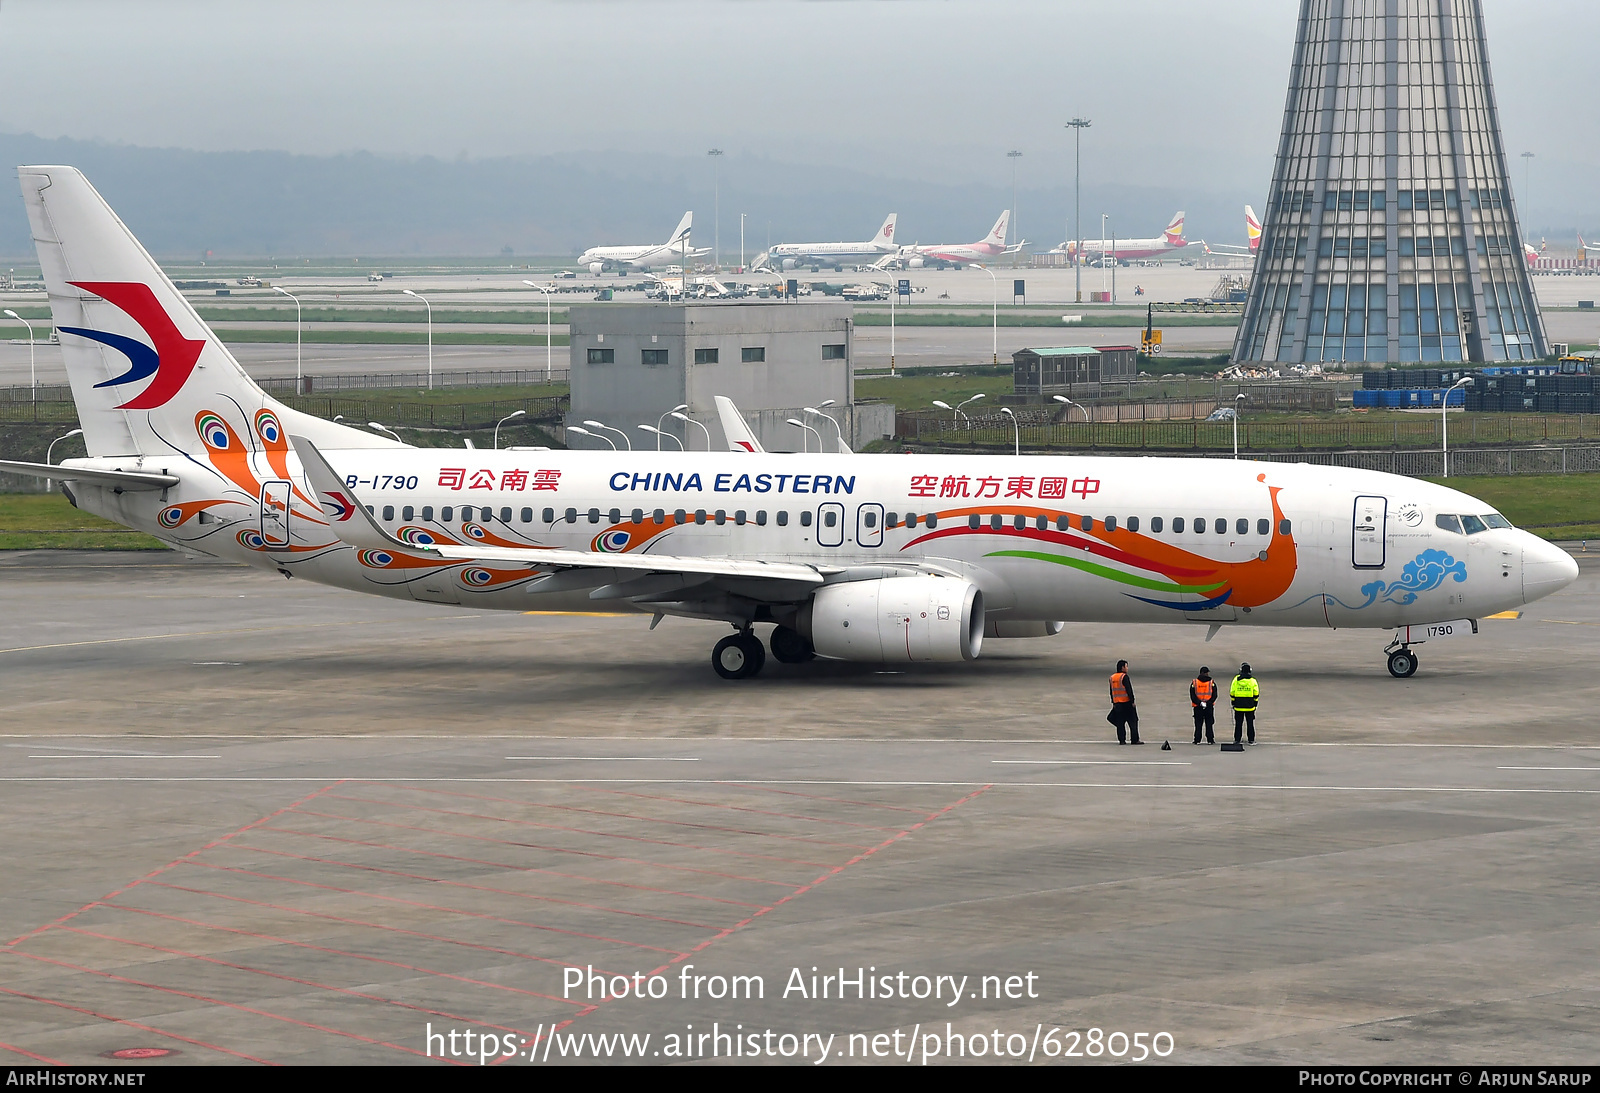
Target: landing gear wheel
[[790, 646], [1402, 664], [738, 656]]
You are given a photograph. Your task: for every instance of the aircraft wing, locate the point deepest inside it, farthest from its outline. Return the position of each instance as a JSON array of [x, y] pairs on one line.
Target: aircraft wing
[[125, 480], [361, 530]]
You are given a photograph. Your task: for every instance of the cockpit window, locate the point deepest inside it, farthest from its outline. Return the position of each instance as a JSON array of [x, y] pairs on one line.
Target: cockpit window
[[1495, 520], [1448, 523], [1472, 525]]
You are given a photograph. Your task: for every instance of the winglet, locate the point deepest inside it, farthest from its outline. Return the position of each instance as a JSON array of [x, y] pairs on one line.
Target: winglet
[[350, 519], [740, 438]]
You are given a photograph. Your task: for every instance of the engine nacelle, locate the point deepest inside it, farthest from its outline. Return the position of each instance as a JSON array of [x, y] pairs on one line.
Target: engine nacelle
[[896, 620], [1022, 628], [916, 263], [597, 268], [789, 263]]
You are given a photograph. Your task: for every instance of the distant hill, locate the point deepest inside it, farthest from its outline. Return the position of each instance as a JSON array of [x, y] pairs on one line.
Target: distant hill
[[257, 204]]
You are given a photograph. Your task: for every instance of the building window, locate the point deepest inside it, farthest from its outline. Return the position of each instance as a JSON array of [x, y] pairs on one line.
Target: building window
[[602, 356], [753, 354], [705, 356], [653, 356], [833, 352]]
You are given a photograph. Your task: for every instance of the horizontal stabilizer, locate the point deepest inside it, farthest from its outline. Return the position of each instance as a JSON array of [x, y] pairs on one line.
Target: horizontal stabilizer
[[351, 522], [126, 480]]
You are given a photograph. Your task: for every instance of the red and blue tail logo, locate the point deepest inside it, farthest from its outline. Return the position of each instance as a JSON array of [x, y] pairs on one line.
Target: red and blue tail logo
[[171, 360]]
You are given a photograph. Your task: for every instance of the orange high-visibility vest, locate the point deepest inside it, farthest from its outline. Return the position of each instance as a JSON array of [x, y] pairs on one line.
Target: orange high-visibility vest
[[1119, 688], [1205, 690]]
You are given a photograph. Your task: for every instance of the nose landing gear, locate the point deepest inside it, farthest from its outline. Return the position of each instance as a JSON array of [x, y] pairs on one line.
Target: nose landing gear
[[1402, 661], [739, 656]]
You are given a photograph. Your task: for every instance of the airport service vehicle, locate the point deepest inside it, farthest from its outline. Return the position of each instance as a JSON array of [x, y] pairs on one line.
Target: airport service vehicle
[[785, 256], [675, 250], [1167, 244], [990, 246], [886, 558]]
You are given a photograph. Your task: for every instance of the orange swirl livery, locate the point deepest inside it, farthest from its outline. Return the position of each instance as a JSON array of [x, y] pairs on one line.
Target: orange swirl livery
[[226, 450]]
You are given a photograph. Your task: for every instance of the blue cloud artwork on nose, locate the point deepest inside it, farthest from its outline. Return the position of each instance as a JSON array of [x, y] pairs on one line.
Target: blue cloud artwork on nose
[[1424, 573]]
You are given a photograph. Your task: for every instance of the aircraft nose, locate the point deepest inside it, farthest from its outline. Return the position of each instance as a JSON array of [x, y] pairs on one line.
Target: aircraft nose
[[1546, 569]]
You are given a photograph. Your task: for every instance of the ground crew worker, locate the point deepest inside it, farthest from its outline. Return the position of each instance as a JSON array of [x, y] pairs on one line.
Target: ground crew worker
[[1246, 693], [1203, 697], [1124, 714]]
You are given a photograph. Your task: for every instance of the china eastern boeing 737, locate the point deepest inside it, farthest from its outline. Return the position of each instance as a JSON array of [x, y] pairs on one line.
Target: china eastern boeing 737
[[855, 557]]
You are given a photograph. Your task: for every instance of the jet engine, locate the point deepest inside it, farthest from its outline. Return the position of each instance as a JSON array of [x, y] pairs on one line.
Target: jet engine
[[789, 263], [1022, 628], [915, 263], [597, 268], [896, 620]]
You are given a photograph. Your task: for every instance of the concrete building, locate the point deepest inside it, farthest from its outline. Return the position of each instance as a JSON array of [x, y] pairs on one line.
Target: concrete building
[[1390, 233], [631, 363]]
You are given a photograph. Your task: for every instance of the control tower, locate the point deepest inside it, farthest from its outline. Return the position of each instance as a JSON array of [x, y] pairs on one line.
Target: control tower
[[1391, 233]]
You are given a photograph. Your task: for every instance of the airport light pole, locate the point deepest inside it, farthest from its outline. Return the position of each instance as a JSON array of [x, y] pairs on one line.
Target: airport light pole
[[994, 306], [1078, 125], [716, 208], [585, 432], [418, 295], [692, 421], [1016, 429], [1527, 185], [502, 421], [1444, 422], [828, 419], [1013, 156], [1237, 400], [806, 444], [609, 429], [297, 335], [547, 290], [49, 453], [1071, 405], [963, 402], [381, 427], [661, 424], [33, 376], [741, 243], [659, 435]]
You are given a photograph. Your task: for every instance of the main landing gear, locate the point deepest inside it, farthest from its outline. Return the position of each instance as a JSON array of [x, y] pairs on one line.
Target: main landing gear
[[741, 655]]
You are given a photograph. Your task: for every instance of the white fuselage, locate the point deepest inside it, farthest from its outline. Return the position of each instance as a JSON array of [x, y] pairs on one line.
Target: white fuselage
[[1127, 249], [830, 253], [1281, 545], [658, 254]]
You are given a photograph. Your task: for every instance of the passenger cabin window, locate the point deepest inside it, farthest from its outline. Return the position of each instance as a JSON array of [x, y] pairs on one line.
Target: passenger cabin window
[[1086, 523], [1470, 524], [447, 514], [679, 516], [974, 520], [659, 516], [783, 518], [1133, 523], [527, 516], [911, 519], [829, 518], [761, 518], [1156, 524], [1041, 522], [637, 516], [549, 516], [805, 518], [505, 515], [572, 516], [1283, 527], [1111, 523], [871, 519], [1448, 522], [1222, 526], [1199, 525], [388, 512], [699, 516], [594, 516], [739, 517], [1263, 527], [995, 521], [931, 520], [408, 513], [1241, 526], [1177, 525], [1063, 523], [615, 516], [427, 512], [720, 516]]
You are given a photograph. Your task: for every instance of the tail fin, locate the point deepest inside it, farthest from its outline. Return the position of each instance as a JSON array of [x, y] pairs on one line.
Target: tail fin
[[148, 375], [1174, 232], [740, 438], [997, 234], [1252, 229], [885, 236], [681, 235]]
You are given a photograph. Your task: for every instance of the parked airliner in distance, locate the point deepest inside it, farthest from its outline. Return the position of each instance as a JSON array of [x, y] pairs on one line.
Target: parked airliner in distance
[[784, 256], [990, 246], [869, 558], [1252, 232], [1167, 244], [675, 251]]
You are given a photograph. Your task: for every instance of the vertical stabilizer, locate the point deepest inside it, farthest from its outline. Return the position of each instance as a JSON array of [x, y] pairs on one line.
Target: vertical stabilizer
[[680, 236], [734, 427], [148, 375], [1252, 229], [1174, 233], [885, 236], [997, 234]]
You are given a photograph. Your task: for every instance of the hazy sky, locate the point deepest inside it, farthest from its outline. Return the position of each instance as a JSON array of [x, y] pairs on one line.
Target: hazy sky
[[936, 90]]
